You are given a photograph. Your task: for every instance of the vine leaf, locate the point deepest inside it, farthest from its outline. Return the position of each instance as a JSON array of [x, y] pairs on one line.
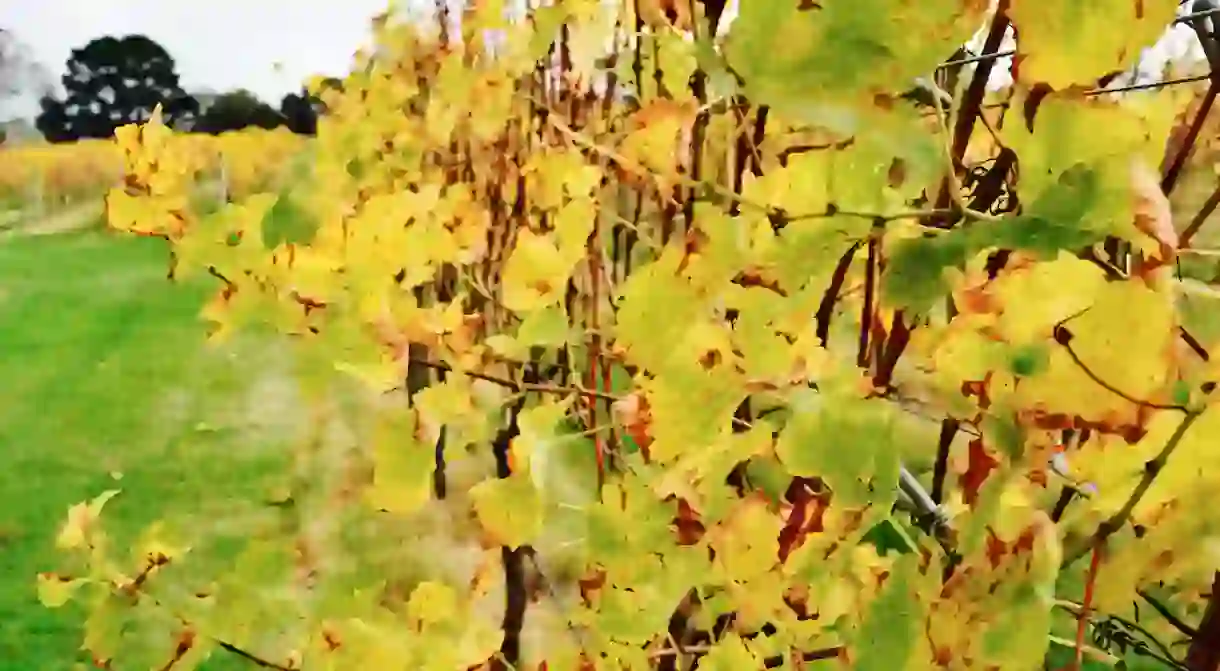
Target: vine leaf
[[888, 48], [54, 591], [287, 222], [82, 520], [432, 603], [509, 509], [980, 464], [815, 443], [1069, 44], [887, 638], [536, 273], [730, 654], [402, 466], [917, 273]]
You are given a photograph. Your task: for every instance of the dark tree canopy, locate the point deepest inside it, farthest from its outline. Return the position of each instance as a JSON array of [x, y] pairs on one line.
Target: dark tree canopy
[[242, 109], [237, 110], [301, 110], [111, 82]]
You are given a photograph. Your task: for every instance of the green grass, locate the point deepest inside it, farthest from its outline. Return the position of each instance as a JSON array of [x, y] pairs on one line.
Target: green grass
[[106, 382], [104, 372]]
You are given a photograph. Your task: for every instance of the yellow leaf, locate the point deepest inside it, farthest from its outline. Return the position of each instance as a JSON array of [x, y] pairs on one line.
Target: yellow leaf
[[455, 404], [402, 466], [656, 309], [432, 603], [382, 373], [676, 56], [535, 274], [538, 438], [55, 591], [1066, 43], [730, 654], [1125, 340], [81, 518], [1097, 134], [154, 546], [573, 225], [1033, 300], [747, 544], [509, 509], [547, 327], [655, 139], [1153, 216]]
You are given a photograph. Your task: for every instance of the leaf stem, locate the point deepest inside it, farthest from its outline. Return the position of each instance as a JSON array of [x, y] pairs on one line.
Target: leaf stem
[[1064, 338], [1151, 470], [1169, 615], [515, 386]]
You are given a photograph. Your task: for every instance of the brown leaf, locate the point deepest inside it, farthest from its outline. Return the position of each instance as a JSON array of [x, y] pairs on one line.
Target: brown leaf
[[980, 464], [632, 413], [1153, 216]]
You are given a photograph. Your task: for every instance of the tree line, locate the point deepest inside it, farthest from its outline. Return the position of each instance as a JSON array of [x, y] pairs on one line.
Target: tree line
[[114, 81]]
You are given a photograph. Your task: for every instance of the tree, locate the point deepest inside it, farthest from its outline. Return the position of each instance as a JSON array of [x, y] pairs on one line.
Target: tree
[[20, 73], [237, 110], [111, 82], [301, 110]]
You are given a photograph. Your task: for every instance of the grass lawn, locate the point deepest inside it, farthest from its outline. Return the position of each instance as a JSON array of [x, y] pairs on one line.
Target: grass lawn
[[106, 382]]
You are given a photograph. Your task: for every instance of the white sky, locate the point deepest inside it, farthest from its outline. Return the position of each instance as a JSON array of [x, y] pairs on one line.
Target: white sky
[[219, 45]]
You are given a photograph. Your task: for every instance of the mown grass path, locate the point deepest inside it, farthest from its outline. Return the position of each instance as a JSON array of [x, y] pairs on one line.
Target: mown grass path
[[106, 382]]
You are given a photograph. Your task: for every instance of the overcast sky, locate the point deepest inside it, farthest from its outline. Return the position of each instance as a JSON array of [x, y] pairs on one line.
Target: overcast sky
[[221, 45], [218, 45]]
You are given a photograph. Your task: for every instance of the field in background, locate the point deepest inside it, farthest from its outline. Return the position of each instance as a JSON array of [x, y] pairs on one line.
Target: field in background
[[42, 180], [110, 384], [107, 383]]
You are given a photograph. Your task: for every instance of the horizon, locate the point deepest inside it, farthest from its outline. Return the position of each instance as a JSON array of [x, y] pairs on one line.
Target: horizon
[[321, 40], [219, 47]]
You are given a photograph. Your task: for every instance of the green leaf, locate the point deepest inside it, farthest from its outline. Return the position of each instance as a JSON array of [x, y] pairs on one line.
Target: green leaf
[[887, 44], [289, 223], [1019, 634], [1059, 219], [656, 310], [1006, 433], [1028, 360], [544, 327], [915, 274], [889, 536], [848, 442], [769, 476], [887, 637], [547, 21]]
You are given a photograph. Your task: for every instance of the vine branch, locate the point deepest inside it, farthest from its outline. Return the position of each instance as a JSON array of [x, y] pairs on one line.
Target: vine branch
[[250, 657], [1169, 615], [519, 387]]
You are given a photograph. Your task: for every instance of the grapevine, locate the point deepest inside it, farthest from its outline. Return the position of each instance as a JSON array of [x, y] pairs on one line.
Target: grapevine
[[657, 316], [54, 175]]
